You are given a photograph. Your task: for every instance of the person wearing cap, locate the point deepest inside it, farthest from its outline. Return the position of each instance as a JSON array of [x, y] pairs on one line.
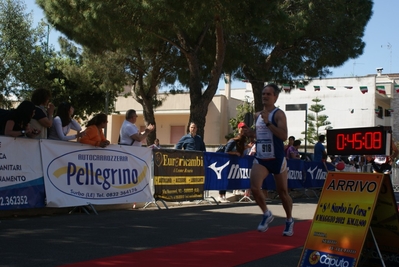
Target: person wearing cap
[[235, 146], [191, 141], [271, 132]]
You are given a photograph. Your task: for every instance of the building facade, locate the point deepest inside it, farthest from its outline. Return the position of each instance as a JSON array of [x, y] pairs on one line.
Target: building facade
[[349, 102]]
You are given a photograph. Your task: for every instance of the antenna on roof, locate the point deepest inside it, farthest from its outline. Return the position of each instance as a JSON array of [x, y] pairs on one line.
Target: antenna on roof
[[389, 47]]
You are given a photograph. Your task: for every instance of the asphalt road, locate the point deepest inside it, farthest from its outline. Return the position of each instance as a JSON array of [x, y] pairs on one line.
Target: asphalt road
[[57, 239]]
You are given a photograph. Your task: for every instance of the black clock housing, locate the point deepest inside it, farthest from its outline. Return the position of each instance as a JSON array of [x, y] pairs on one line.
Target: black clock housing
[[358, 141]]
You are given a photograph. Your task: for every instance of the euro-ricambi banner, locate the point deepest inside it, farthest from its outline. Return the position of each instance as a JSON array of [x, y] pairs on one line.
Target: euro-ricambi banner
[[21, 174], [77, 174]]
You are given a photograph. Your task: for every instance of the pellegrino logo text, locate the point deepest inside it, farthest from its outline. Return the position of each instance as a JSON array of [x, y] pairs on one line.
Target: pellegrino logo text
[[89, 175]]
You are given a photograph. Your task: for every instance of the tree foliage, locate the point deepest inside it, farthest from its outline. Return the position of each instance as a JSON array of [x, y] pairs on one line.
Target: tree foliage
[[262, 41], [315, 121], [73, 74], [245, 113], [21, 51], [91, 82], [196, 30], [300, 40]]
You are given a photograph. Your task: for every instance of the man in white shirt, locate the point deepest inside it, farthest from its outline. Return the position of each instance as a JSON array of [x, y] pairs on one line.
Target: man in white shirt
[[129, 134]]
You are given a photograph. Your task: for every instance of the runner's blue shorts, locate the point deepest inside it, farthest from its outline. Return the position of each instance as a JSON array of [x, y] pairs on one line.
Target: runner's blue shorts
[[275, 166]]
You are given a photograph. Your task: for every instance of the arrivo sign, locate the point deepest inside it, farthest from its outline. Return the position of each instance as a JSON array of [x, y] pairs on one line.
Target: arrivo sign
[[358, 141]]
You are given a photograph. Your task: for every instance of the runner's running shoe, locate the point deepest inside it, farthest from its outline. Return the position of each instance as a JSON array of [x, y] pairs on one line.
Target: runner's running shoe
[[289, 228], [264, 224]]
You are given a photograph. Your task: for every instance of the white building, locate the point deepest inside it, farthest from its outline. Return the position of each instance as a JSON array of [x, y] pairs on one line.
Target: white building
[[345, 104]]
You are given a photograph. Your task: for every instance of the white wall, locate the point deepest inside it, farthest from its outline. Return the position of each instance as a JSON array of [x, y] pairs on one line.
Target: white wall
[[338, 103]]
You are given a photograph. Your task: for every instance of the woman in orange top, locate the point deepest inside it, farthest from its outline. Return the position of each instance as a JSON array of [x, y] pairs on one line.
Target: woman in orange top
[[94, 131]]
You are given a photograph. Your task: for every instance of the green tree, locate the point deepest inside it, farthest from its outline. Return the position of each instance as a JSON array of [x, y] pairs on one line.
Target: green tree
[[150, 61], [315, 121], [197, 31], [21, 51], [90, 81], [245, 112], [261, 40], [299, 40]]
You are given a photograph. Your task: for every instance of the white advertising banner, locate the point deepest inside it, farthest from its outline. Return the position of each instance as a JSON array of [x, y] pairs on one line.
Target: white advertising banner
[[21, 174], [77, 174]]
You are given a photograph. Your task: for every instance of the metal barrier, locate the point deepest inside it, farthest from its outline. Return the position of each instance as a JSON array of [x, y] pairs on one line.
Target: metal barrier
[[395, 178]]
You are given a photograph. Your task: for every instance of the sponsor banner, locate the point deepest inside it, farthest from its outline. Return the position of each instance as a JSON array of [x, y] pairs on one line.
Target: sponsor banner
[[343, 216], [227, 172], [314, 258], [21, 175], [77, 174], [316, 173], [178, 175], [295, 173]]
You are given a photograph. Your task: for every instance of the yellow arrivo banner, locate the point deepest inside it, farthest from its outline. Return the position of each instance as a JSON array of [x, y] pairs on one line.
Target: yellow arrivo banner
[[342, 219]]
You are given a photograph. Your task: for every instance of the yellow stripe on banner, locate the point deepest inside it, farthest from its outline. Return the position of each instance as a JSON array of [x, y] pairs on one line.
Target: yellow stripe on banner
[[167, 180]]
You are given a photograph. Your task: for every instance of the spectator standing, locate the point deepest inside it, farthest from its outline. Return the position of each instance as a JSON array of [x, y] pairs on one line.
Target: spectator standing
[[17, 121], [320, 153], [94, 132], [63, 122], [191, 141], [292, 152], [251, 146], [43, 118], [235, 146], [155, 145], [291, 140], [271, 132], [129, 134]]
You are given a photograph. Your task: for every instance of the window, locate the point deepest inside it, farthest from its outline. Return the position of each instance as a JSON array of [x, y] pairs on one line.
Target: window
[[176, 132]]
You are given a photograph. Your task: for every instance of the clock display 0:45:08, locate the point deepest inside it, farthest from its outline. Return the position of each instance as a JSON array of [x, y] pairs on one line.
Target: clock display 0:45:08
[[357, 141]]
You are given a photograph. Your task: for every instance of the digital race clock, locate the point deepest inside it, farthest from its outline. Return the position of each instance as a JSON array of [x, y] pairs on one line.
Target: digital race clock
[[358, 141]]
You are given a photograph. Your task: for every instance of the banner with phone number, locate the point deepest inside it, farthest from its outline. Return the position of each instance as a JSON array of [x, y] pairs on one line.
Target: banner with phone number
[[77, 174], [21, 174]]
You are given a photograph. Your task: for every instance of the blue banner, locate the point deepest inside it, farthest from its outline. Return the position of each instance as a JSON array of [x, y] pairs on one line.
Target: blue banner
[[226, 172], [229, 172]]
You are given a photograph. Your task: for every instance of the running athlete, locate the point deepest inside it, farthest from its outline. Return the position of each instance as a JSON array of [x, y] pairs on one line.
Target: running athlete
[[271, 132]]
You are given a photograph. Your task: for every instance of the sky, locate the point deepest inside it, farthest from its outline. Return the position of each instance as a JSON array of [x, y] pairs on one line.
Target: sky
[[380, 37]]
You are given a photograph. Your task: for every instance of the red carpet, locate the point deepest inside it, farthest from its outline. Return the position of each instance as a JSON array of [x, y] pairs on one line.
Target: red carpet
[[228, 250]]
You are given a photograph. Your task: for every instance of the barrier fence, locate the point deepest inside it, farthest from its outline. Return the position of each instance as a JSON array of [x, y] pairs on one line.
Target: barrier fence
[[48, 173]]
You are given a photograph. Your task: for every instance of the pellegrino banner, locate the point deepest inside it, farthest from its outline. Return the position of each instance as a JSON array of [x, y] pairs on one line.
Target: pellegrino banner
[[77, 175]]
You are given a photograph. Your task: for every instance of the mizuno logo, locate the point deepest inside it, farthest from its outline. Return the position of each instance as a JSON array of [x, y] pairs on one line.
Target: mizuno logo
[[218, 170], [312, 171]]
